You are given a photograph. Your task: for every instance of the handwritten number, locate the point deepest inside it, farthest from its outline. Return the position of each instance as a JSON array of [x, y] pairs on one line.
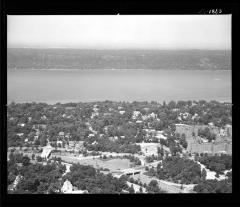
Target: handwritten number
[[215, 11]]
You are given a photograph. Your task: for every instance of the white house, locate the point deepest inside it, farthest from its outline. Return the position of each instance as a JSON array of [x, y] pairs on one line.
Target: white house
[[122, 112], [135, 114], [161, 136], [46, 152], [61, 133], [20, 134], [69, 188]]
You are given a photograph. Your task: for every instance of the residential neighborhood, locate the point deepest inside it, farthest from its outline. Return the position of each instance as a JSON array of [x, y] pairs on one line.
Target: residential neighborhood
[[148, 148]]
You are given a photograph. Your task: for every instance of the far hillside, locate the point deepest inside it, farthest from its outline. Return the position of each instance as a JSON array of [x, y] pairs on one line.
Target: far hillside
[[28, 58]]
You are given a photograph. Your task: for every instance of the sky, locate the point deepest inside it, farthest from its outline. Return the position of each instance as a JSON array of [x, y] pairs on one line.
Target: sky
[[120, 31]]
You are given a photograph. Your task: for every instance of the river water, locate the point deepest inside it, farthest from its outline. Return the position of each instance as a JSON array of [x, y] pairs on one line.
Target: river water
[[63, 86]]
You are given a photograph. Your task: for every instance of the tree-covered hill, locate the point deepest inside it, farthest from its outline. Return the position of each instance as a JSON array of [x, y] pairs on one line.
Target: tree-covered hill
[[28, 58]]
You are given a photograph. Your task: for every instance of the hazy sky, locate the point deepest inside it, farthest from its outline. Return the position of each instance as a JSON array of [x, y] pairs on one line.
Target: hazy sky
[[121, 31]]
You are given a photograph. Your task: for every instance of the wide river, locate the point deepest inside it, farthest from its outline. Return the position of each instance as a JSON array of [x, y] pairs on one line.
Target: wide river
[[63, 86]]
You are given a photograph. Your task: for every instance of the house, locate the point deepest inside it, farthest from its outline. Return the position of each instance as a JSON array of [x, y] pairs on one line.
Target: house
[[204, 140], [166, 149], [43, 117], [38, 132], [113, 138], [46, 152], [152, 115], [67, 135], [183, 116], [59, 143], [94, 114], [135, 114], [210, 124], [195, 116], [35, 138], [223, 132], [94, 143], [143, 161], [130, 171], [20, 134], [105, 129], [16, 181], [61, 133], [228, 128], [159, 135], [121, 112], [79, 145], [71, 144], [69, 188], [222, 152]]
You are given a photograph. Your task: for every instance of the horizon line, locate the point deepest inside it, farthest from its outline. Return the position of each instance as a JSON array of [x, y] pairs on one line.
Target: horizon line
[[78, 48]]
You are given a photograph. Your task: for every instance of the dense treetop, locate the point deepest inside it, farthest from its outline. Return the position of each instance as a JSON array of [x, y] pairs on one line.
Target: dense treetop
[[214, 186], [217, 163], [79, 120], [178, 170]]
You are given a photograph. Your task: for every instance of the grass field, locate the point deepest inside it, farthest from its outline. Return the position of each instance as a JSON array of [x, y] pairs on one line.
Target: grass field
[[113, 164]]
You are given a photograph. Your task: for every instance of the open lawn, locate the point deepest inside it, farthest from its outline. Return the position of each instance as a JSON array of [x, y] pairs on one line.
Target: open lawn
[[113, 164]]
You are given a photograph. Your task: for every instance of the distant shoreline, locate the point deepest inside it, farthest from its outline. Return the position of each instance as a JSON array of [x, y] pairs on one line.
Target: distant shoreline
[[119, 59], [71, 69], [54, 102]]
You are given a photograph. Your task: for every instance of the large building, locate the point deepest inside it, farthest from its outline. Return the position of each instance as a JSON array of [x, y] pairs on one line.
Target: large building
[[222, 144], [211, 148]]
